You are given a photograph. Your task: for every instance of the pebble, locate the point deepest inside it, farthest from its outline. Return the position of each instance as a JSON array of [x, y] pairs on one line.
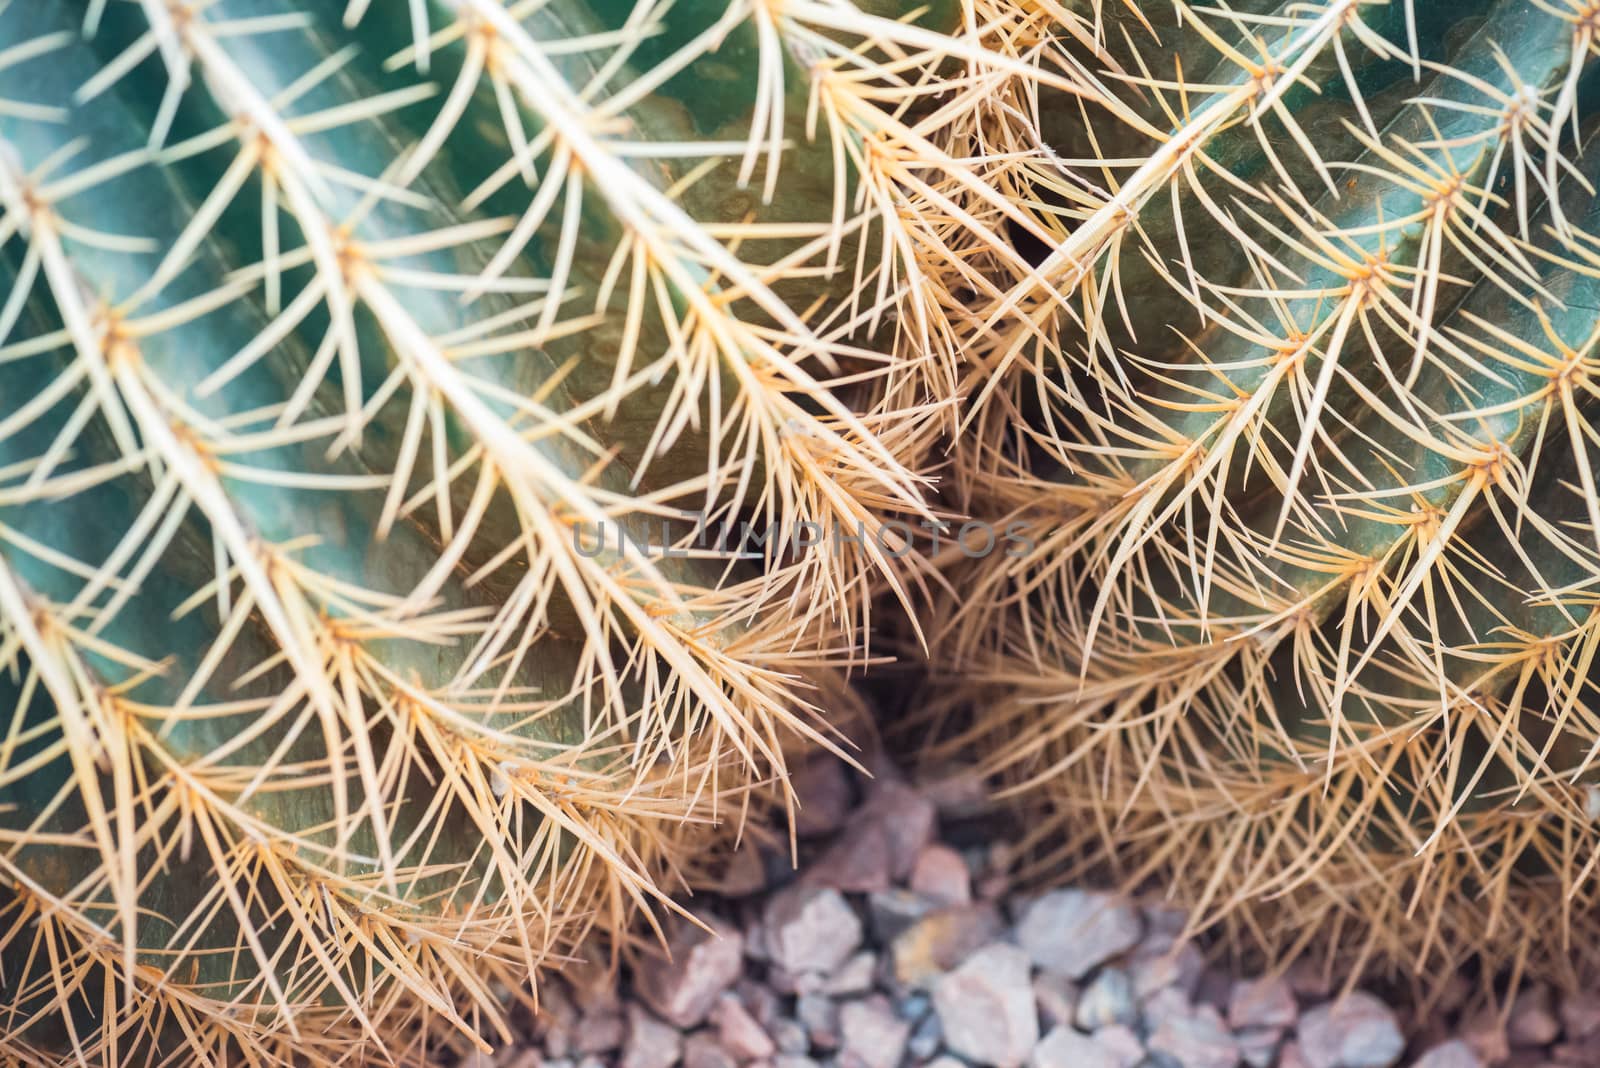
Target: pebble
[[746, 873], [986, 1007], [908, 818], [941, 941], [705, 1050], [858, 862], [1122, 1042], [819, 1015], [1065, 1048], [941, 876], [889, 912], [1057, 998], [682, 988], [872, 1036], [600, 1032], [1291, 1057], [1258, 1046], [1261, 1003], [1197, 1039], [1107, 1000], [811, 929], [1070, 931], [593, 986], [1532, 1021], [854, 976], [1580, 1015], [926, 1037], [823, 788], [759, 1000], [791, 1060], [650, 1043], [1180, 966], [741, 1033], [1358, 1031], [1308, 980], [790, 1037], [1486, 1034], [1452, 1054]]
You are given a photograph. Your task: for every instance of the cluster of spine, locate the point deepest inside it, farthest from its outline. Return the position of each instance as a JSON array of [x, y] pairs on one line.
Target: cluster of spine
[[1301, 404], [328, 329]]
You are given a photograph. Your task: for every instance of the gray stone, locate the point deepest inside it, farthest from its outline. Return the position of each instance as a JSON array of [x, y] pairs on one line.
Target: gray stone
[[1056, 996], [650, 1043], [1290, 1056], [1452, 1054], [790, 1037], [702, 1050], [1070, 931], [940, 875], [1582, 1054], [1258, 1046], [593, 984], [1165, 1003], [811, 929], [1357, 1031], [1198, 1039], [1175, 966], [599, 1032], [1485, 1032], [755, 938], [557, 1017], [854, 976], [784, 981], [871, 1035], [740, 1033], [1532, 1022], [823, 787], [889, 912], [682, 988], [1121, 1042], [941, 940], [913, 1006], [908, 819], [956, 791], [1156, 1058], [926, 1037], [1261, 1003], [1580, 1015], [1307, 980], [1107, 1000], [759, 1000], [819, 1015], [858, 861], [986, 1007], [746, 874], [1065, 1048]]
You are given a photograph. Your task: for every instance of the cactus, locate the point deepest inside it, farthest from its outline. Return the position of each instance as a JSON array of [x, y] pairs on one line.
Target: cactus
[[1303, 430], [337, 344]]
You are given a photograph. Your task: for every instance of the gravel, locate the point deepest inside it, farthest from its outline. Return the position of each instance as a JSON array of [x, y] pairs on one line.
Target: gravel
[[891, 947]]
